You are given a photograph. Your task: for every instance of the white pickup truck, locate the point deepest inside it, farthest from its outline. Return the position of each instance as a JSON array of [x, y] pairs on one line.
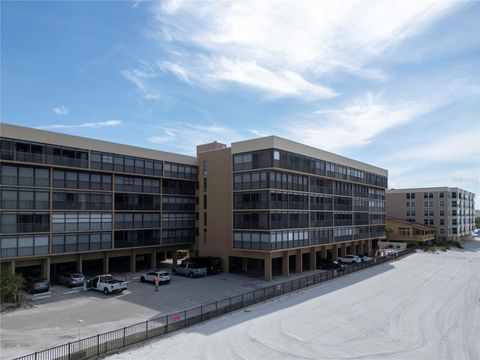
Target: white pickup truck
[[108, 284], [190, 269]]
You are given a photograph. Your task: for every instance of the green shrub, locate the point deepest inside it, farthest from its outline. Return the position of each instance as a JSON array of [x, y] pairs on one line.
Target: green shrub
[[11, 286]]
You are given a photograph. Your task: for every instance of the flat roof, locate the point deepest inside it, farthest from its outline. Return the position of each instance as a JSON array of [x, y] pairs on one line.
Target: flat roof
[[276, 142], [55, 138], [426, 189]]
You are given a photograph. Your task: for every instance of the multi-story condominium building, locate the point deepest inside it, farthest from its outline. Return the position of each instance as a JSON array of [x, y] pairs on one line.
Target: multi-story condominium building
[[272, 205], [450, 209], [72, 203], [267, 205]]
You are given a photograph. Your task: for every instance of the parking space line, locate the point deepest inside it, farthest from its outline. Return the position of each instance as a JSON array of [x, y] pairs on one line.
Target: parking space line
[[70, 292]]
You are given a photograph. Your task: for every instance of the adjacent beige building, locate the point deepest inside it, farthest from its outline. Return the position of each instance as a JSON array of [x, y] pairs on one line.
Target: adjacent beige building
[[449, 209]]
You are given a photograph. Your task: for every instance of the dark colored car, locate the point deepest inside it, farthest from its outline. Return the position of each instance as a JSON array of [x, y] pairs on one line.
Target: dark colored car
[[35, 285], [212, 263], [71, 279], [328, 264]]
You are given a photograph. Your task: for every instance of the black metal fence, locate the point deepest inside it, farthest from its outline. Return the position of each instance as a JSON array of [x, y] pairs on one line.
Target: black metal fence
[[104, 343]]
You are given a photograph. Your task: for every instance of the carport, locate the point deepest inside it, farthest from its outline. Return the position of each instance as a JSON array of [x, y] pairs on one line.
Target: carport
[[92, 267], [59, 268], [119, 264]]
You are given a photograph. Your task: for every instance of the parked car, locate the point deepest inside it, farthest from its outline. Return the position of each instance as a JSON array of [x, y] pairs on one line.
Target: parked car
[[35, 285], [365, 258], [328, 264], [71, 279], [190, 269], [163, 277], [212, 263], [350, 259], [108, 284]]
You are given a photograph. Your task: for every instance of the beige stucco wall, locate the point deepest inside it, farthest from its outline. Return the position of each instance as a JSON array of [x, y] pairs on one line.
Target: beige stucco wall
[[219, 204]]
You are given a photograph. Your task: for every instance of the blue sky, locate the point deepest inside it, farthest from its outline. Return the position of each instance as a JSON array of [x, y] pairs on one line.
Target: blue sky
[[394, 84]]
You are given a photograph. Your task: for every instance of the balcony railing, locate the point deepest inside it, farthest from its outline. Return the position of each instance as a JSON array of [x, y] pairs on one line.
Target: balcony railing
[[43, 159]]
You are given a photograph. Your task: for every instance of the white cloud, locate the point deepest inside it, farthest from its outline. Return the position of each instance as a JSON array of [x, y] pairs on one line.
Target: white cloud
[[461, 147], [91, 125], [186, 136], [140, 77], [60, 110], [285, 48], [356, 124]]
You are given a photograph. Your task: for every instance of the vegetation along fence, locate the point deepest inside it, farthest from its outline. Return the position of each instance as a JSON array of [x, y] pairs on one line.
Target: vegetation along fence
[[107, 342]]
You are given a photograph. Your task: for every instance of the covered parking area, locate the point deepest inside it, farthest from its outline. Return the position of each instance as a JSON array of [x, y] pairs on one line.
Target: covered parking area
[[286, 262]]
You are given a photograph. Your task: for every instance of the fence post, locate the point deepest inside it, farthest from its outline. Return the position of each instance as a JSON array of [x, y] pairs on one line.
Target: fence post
[[166, 324], [146, 329], [229, 304], [185, 317], [35, 355], [216, 308], [124, 329], [68, 351], [242, 301], [98, 344]]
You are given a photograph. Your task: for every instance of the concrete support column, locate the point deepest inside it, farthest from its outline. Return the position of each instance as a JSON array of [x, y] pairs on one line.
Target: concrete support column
[[369, 247], [343, 249], [313, 259], [133, 263], [268, 268], [12, 266], [153, 261], [80, 263], [285, 264], [359, 249], [244, 264], [363, 247], [323, 252], [46, 268], [174, 258], [298, 261], [335, 251], [106, 265]]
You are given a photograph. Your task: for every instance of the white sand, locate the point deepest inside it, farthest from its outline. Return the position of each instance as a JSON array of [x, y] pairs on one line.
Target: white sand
[[426, 306]]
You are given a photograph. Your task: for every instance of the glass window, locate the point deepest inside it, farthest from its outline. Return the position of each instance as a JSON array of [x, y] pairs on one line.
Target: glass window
[[70, 242], [41, 245], [9, 246], [106, 182], [42, 177], [9, 175], [25, 246], [25, 176], [95, 241], [118, 163], [9, 199]]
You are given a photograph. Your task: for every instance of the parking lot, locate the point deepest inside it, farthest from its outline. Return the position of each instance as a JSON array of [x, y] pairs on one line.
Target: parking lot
[[53, 318]]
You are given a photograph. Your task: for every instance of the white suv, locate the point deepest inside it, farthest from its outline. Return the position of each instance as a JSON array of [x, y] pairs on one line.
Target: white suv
[[163, 277], [350, 259]]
